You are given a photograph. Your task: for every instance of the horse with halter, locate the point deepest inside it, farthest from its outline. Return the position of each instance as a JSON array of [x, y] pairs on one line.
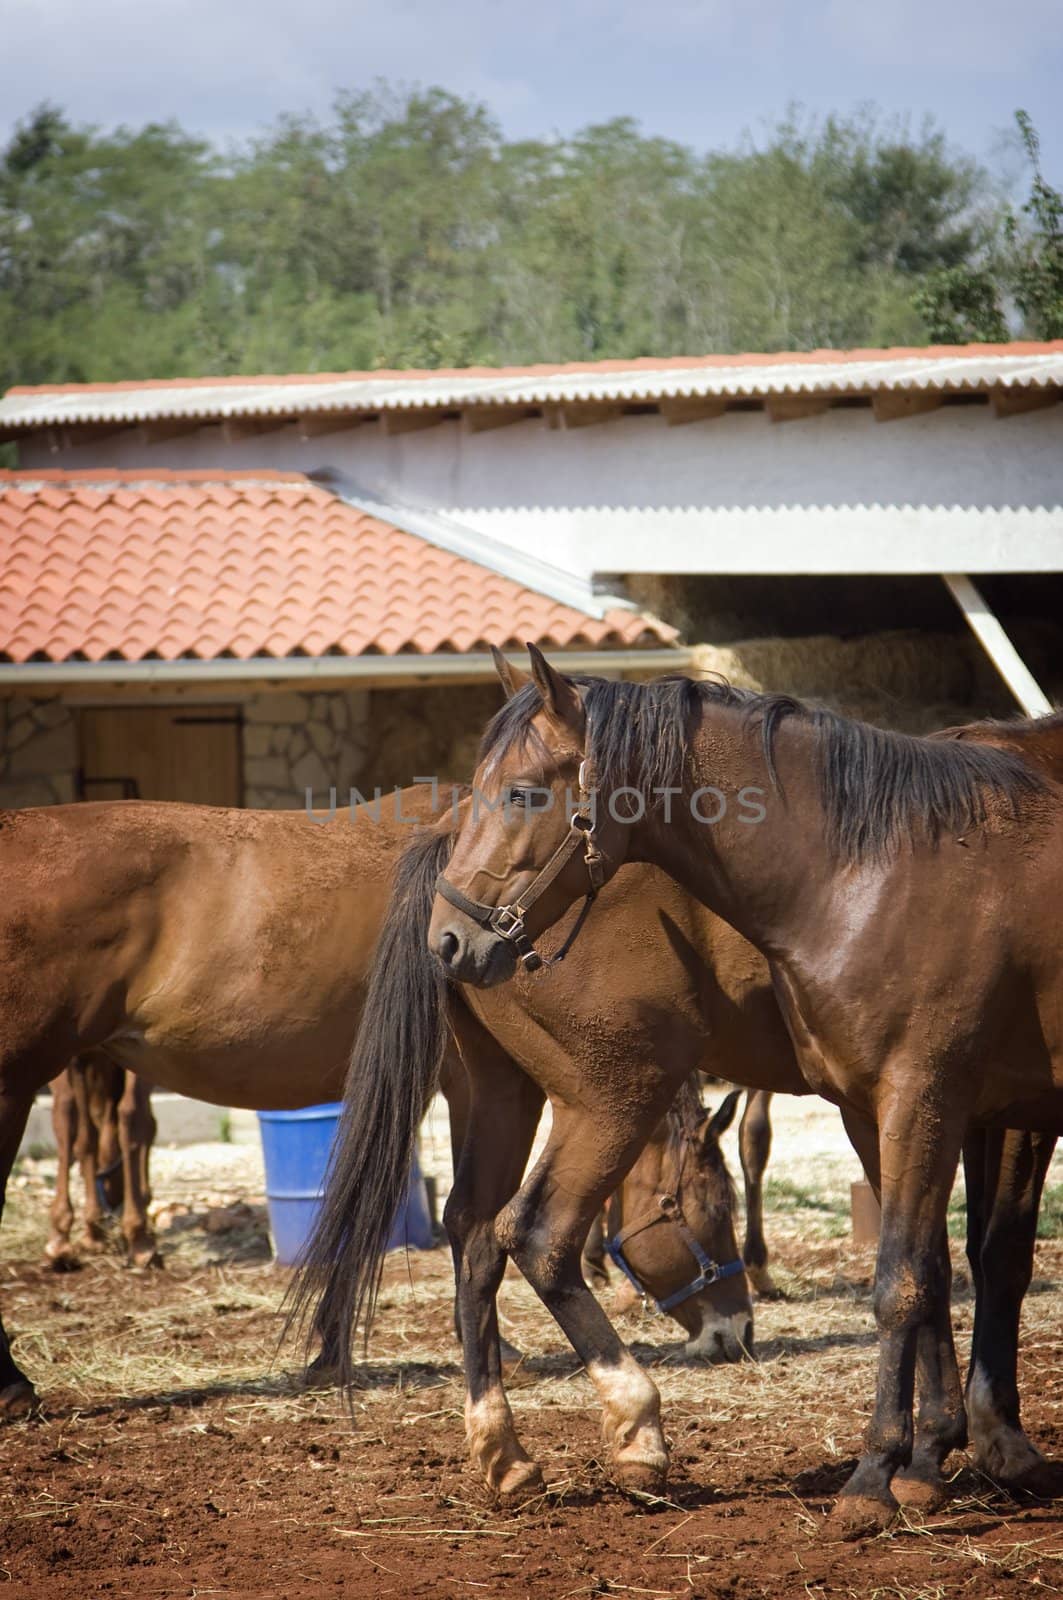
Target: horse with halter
[[905, 893], [225, 955], [654, 985]]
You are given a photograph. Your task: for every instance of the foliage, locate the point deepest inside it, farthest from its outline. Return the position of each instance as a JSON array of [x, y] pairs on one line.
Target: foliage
[[1037, 270], [403, 230], [961, 304]]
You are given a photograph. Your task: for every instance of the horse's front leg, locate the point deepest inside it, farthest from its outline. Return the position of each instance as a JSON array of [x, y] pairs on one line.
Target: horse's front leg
[[64, 1126], [941, 1426], [754, 1148], [17, 1395], [136, 1135], [94, 1083], [544, 1227], [500, 1114], [919, 1139], [1005, 1175]]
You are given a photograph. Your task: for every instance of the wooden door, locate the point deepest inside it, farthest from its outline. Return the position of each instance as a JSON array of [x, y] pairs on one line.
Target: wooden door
[[162, 753]]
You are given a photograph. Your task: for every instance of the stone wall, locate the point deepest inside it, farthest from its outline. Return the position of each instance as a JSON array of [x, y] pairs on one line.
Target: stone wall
[[295, 741], [38, 752], [427, 732]]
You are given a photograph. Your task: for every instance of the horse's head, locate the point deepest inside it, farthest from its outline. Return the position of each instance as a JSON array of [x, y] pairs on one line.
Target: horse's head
[[671, 1231], [534, 839]]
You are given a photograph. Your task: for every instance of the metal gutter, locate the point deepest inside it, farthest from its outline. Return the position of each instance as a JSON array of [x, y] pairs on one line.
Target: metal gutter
[[570, 588], [384, 670]]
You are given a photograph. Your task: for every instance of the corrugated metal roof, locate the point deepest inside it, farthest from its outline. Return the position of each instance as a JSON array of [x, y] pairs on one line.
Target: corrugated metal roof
[[955, 369]]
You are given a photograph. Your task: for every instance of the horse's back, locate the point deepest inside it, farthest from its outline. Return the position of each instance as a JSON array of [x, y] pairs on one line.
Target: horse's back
[[178, 934]]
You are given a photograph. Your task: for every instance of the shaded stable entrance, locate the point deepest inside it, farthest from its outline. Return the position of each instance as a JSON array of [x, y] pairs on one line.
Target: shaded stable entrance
[[162, 753]]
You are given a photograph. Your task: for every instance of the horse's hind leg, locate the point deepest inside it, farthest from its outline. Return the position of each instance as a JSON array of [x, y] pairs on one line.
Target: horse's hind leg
[[17, 1395], [136, 1135], [1005, 1174], [754, 1146], [544, 1227], [502, 1115], [93, 1080], [64, 1125]]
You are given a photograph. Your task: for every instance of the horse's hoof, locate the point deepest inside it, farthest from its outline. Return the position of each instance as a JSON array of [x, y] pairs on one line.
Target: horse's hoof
[[321, 1373], [1044, 1480], [144, 1257], [640, 1477], [521, 1482], [1024, 1470], [859, 1516], [921, 1491], [60, 1255], [18, 1400], [763, 1284]]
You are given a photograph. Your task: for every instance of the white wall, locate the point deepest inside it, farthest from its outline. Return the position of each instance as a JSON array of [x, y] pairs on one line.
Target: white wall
[[739, 494]]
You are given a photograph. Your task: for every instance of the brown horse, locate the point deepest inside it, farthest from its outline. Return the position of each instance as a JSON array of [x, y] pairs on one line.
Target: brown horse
[[656, 987], [754, 1150], [905, 892], [102, 1118], [225, 954]]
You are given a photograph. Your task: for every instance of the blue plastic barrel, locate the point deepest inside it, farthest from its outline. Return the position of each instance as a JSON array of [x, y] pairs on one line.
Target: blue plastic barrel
[[296, 1146]]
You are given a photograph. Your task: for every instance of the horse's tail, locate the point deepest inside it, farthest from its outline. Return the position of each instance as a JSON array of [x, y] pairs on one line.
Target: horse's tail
[[393, 1073]]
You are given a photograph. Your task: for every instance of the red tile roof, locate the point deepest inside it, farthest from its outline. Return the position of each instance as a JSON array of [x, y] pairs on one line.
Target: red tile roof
[[799, 358], [162, 565]]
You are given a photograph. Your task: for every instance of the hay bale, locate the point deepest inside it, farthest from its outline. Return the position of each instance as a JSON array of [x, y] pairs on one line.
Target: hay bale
[[901, 666], [902, 679]]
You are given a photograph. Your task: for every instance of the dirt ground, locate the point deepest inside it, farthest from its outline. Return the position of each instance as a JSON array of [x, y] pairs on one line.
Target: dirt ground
[[179, 1455]]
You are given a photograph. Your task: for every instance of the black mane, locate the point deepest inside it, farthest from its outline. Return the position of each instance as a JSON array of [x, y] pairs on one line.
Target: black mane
[[879, 789]]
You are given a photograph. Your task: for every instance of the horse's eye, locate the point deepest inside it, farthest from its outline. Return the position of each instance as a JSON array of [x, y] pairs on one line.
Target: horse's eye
[[517, 797]]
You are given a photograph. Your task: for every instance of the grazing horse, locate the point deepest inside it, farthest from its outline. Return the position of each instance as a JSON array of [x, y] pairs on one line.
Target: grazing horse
[[906, 895], [102, 1118], [754, 1149], [225, 955]]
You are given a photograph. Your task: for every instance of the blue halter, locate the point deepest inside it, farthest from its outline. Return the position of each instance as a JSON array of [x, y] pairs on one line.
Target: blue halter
[[709, 1271]]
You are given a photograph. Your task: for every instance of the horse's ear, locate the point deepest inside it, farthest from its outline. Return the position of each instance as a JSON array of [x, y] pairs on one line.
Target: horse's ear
[[559, 694], [513, 679], [721, 1121]]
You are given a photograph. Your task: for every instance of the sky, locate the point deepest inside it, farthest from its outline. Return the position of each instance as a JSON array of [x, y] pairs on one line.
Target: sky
[[700, 71]]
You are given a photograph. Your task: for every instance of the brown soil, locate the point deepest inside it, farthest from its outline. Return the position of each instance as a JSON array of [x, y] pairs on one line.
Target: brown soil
[[178, 1455]]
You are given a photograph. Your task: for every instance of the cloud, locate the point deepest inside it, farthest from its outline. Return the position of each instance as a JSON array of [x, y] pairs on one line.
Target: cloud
[[699, 70], [954, 36]]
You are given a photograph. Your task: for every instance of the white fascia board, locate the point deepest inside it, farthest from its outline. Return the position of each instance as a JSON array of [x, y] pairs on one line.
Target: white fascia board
[[816, 540]]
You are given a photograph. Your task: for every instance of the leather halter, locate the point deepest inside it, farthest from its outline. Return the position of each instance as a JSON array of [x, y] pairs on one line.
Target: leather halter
[[507, 921], [709, 1271]]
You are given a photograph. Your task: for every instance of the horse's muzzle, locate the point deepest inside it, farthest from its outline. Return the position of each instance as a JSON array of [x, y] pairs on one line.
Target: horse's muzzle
[[471, 954]]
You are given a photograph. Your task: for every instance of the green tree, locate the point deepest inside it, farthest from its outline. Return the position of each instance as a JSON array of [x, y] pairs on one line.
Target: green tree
[[401, 229], [1037, 269]]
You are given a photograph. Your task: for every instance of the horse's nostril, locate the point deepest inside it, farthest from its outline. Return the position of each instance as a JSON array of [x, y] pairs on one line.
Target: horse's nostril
[[448, 948]]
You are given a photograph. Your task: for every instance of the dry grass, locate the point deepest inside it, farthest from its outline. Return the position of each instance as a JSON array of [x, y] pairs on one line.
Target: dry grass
[[759, 1449]]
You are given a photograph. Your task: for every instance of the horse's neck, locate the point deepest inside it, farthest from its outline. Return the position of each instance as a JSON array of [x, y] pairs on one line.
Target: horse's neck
[[756, 874], [1042, 742]]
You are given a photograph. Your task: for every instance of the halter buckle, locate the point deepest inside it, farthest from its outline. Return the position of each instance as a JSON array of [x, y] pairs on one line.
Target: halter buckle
[[508, 923]]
